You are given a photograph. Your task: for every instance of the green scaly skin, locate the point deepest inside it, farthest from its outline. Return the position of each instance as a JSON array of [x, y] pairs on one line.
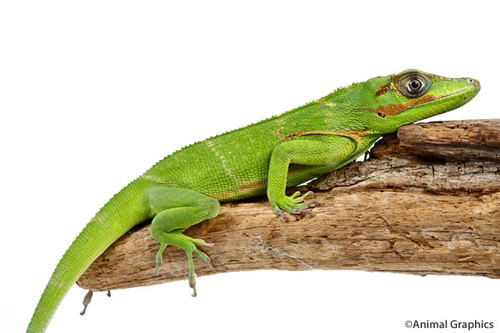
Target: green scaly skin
[[186, 187]]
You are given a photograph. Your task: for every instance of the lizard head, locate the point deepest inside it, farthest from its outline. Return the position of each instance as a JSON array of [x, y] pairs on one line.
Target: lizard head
[[413, 95]]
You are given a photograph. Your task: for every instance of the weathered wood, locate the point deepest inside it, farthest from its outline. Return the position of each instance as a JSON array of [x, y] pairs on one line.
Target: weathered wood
[[395, 212], [454, 140]]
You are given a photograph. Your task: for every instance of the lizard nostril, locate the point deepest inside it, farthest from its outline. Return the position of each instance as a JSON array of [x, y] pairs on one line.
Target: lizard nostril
[[474, 83]]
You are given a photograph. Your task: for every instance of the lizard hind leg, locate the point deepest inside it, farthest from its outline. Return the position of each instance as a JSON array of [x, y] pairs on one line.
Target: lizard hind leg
[[175, 210]]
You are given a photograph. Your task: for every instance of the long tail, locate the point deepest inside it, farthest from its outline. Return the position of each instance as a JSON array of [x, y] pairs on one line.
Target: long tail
[[122, 212]]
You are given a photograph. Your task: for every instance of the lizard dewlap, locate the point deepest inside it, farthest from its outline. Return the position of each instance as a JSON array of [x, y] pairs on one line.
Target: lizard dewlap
[[186, 187]]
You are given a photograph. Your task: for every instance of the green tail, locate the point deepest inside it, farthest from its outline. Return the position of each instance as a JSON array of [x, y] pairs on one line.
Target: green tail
[[122, 212]]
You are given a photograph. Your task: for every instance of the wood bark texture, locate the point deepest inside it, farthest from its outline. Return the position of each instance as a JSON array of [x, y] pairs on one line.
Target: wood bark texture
[[425, 202]]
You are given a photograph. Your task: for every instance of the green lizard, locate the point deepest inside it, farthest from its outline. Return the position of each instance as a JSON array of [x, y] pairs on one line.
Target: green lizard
[[186, 187]]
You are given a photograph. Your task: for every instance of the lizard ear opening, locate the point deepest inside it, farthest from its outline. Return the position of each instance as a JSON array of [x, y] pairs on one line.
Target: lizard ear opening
[[414, 84]]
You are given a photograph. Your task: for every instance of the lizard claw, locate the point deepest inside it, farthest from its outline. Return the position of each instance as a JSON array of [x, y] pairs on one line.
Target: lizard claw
[[312, 203], [192, 283], [280, 213], [211, 267]]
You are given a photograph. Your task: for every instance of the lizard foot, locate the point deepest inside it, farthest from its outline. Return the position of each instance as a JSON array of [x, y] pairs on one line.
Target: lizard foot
[[294, 204], [201, 255], [188, 244]]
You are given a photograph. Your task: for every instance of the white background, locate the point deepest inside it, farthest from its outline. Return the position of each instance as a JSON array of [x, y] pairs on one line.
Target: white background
[[92, 93]]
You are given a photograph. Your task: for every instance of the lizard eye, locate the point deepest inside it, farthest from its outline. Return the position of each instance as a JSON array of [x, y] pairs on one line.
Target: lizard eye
[[413, 85]]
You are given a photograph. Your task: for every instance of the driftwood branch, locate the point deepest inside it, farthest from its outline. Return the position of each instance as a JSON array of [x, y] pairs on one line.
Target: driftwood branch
[[428, 203]]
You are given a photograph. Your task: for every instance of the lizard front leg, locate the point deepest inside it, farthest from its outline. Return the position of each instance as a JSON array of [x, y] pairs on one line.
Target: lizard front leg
[[330, 151]]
